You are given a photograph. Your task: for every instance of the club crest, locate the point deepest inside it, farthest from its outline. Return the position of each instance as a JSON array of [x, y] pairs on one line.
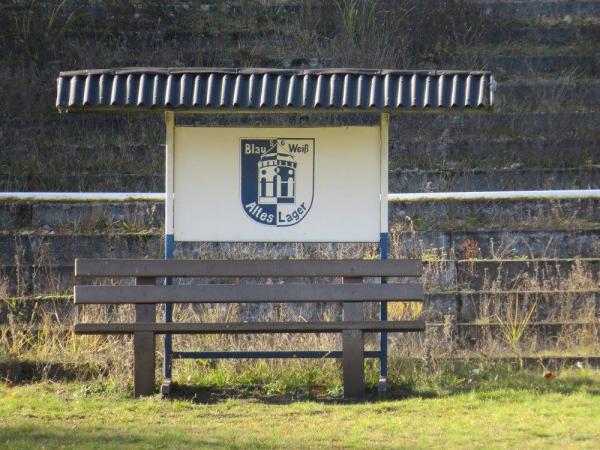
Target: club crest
[[277, 179]]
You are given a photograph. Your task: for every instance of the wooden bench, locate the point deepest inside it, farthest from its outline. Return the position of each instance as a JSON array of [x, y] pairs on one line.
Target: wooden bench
[[147, 293]]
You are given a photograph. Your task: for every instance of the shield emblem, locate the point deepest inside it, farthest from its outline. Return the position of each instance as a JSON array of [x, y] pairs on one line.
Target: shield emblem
[[277, 179]]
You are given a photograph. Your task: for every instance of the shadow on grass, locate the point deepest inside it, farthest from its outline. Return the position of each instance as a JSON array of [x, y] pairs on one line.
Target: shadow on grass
[[25, 371], [430, 386], [259, 393], [211, 395], [27, 436]]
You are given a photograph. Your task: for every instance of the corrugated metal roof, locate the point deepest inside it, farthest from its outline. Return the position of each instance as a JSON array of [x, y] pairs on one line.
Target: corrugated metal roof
[[210, 89]]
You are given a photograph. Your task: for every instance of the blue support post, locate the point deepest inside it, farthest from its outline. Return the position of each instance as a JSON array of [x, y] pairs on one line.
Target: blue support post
[[384, 124], [168, 339], [169, 239], [383, 369]]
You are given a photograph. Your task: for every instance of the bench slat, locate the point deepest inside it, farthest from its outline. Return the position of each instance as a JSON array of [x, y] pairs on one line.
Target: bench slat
[[235, 293], [246, 268], [252, 327]]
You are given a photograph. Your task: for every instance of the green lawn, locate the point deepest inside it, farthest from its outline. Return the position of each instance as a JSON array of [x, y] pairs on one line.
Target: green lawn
[[538, 414]]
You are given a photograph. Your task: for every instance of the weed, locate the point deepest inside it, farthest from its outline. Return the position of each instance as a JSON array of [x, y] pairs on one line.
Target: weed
[[515, 325]]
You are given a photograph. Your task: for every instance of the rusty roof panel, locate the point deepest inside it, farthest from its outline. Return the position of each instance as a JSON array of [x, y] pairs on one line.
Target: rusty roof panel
[[211, 90]]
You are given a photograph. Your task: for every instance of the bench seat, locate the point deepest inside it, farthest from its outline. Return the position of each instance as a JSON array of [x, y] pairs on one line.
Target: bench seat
[[249, 327]]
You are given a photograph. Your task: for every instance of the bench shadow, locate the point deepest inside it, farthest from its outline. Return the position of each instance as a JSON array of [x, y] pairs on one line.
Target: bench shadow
[[564, 385], [28, 371], [211, 395]]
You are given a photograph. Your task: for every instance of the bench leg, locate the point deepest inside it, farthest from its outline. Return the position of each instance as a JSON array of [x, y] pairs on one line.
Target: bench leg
[[353, 364], [353, 350], [144, 349]]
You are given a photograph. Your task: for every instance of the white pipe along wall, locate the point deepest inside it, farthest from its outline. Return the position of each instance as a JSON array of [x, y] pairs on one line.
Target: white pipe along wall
[[495, 195], [572, 194]]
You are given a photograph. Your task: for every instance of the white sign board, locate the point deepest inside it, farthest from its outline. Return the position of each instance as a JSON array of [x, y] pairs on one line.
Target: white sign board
[[277, 184]]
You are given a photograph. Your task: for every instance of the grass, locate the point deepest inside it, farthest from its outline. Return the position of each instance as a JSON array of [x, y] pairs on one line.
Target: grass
[[501, 409]]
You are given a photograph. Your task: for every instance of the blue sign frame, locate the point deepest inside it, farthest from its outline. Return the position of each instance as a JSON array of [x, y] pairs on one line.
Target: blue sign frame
[[170, 354]]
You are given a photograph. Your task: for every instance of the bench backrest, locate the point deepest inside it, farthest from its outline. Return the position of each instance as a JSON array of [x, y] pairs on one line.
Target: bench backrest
[[147, 271], [247, 268]]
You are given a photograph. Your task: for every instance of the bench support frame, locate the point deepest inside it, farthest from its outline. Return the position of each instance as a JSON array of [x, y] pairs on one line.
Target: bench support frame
[[144, 346], [353, 349], [352, 294], [169, 243]]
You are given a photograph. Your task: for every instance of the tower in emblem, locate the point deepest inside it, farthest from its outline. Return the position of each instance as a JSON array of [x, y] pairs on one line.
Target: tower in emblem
[[277, 179], [276, 176]]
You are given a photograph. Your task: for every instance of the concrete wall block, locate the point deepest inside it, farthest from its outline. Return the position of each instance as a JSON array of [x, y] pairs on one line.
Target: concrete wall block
[[98, 215], [527, 243], [497, 244], [85, 182], [545, 34], [546, 306], [35, 249], [441, 337], [533, 9], [36, 280], [414, 180], [543, 64], [482, 215], [81, 217], [479, 337], [511, 274], [439, 275], [438, 305], [488, 215], [425, 127], [561, 93], [498, 152]]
